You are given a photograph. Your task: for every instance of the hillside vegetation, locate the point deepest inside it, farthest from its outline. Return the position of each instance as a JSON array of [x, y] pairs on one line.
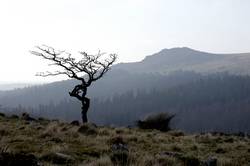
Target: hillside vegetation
[[24, 140], [196, 104]]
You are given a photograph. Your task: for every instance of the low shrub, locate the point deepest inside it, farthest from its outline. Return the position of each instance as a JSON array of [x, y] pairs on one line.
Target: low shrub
[[160, 121], [2, 114]]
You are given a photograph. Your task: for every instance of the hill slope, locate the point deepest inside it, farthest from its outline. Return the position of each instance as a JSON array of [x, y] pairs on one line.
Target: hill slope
[[57, 143]]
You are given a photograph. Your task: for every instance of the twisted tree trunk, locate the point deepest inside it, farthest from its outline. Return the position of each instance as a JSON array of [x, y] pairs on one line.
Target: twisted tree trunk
[[85, 107], [80, 92]]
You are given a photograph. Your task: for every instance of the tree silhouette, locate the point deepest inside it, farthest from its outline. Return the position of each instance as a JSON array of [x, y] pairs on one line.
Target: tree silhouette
[[86, 70]]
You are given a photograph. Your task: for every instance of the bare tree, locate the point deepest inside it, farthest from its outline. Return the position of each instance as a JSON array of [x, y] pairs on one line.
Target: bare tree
[[87, 70]]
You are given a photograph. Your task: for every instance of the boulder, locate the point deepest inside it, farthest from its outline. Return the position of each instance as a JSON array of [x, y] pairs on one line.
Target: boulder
[[210, 162], [9, 159]]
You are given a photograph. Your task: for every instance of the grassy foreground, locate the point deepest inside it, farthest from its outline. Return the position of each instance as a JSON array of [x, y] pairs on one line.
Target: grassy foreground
[[56, 143]]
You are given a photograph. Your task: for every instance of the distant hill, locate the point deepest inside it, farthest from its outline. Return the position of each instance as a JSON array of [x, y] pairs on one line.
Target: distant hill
[[214, 102], [186, 59]]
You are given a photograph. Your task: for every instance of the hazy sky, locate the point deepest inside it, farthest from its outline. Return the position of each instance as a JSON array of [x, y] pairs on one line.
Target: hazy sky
[[130, 28]]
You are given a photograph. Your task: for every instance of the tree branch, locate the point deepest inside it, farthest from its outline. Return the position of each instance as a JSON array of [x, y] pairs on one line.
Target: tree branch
[[91, 65]]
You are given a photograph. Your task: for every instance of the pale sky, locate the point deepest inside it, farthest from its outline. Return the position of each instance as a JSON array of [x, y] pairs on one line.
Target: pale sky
[[131, 28]]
